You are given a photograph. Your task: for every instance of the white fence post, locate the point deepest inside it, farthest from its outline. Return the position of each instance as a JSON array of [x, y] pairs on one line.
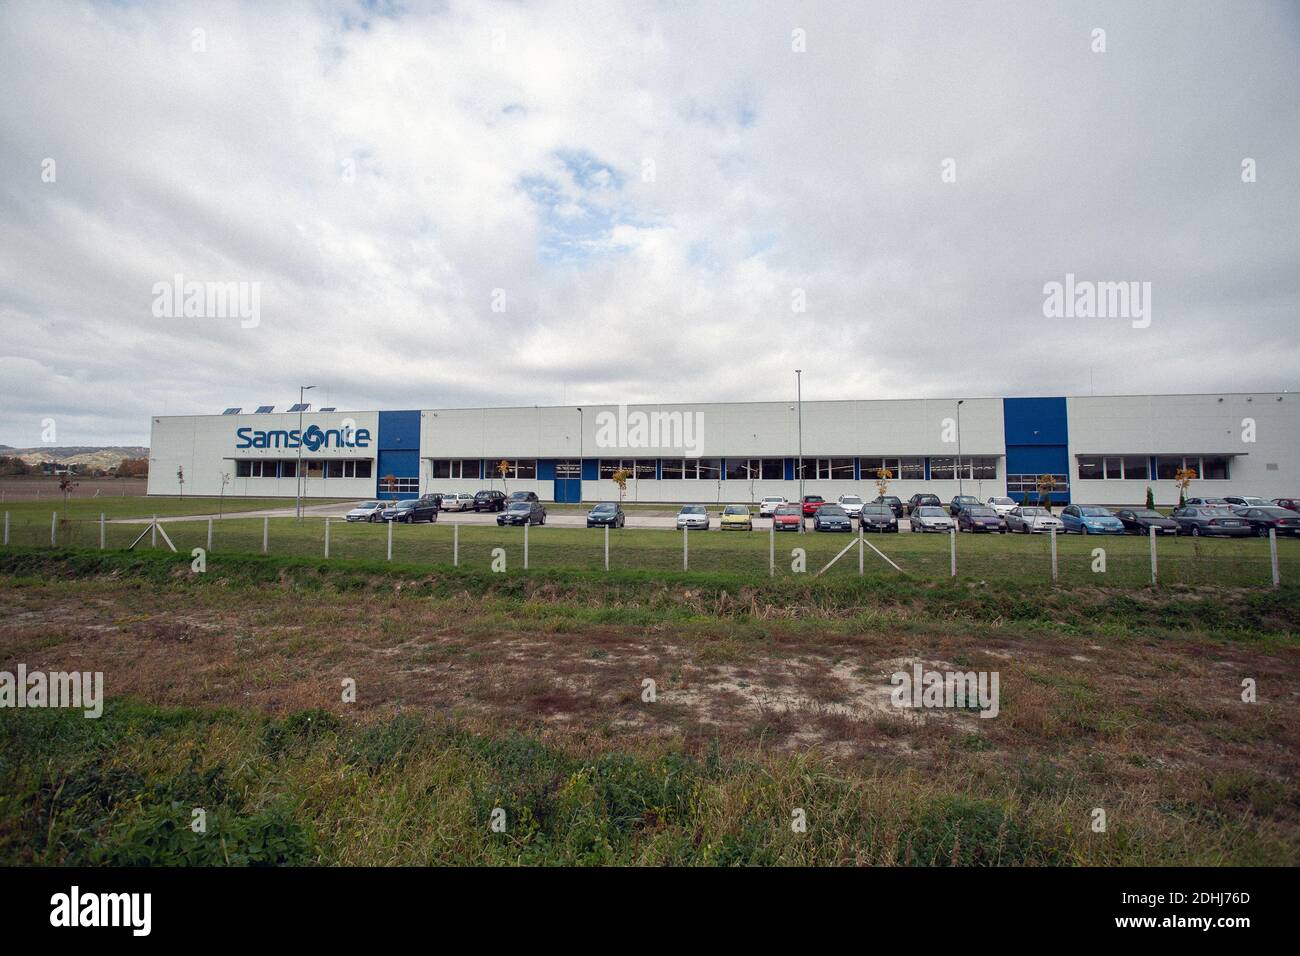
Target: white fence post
[[455, 545], [153, 533], [525, 544], [1272, 549], [1153, 556], [1053, 533], [390, 538], [101, 531], [952, 547], [54, 528], [327, 537], [606, 547], [861, 550], [266, 535], [771, 548], [209, 534], [686, 548]]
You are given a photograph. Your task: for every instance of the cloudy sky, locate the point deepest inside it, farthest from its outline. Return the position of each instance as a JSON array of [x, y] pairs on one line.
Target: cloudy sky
[[479, 203]]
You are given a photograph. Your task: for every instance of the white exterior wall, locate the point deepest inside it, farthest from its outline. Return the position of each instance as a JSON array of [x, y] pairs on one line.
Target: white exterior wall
[[204, 445], [1148, 425]]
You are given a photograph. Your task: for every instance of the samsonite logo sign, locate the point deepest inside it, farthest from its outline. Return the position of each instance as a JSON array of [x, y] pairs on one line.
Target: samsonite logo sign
[[313, 438]]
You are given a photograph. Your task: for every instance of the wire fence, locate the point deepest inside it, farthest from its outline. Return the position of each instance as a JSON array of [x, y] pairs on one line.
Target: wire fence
[[1066, 560]]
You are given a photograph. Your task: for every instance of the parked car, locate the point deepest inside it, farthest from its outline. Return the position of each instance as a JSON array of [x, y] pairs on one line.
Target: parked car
[[366, 511], [1090, 519], [1290, 504], [411, 510], [489, 501], [978, 518], [524, 496], [1031, 519], [931, 518], [1246, 501], [961, 501], [1282, 520], [811, 503], [1003, 506], [787, 517], [831, 517], [1207, 503], [1198, 521], [458, 501], [852, 504], [1142, 520], [606, 515], [522, 512], [693, 517], [922, 501], [736, 517], [895, 503], [878, 517], [767, 507]]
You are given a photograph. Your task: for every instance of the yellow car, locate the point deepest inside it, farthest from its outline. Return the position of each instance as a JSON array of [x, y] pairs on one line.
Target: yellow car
[[737, 516]]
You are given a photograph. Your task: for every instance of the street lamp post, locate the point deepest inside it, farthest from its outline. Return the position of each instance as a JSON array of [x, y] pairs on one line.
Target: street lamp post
[[581, 424], [959, 478], [798, 379], [298, 472]]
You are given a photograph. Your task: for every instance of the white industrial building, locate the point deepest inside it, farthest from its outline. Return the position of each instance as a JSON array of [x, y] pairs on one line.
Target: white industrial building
[[1101, 449]]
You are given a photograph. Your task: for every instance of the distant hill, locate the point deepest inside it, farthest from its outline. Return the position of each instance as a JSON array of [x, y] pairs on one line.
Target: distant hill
[[86, 457]]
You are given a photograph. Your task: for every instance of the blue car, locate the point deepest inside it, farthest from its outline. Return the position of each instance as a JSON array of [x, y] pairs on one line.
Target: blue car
[[1091, 519]]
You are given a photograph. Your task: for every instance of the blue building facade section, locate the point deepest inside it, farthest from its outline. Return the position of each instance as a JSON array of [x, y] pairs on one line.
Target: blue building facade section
[[1037, 435], [398, 455]]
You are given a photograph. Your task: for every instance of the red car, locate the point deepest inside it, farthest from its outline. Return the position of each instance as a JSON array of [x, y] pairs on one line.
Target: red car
[[787, 518], [811, 503], [1290, 504]]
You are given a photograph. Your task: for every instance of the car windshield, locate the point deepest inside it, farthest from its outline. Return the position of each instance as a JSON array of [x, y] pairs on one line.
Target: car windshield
[[1276, 512], [736, 510], [520, 506], [603, 510], [693, 510], [877, 510], [965, 498], [931, 512], [787, 510], [774, 498], [850, 500], [1032, 512], [832, 510], [814, 498], [405, 504], [368, 504], [1147, 513], [1001, 501], [981, 512], [1094, 512]]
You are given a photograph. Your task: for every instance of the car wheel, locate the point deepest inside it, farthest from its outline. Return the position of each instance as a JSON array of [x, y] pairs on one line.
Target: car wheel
[[1196, 531], [1261, 531]]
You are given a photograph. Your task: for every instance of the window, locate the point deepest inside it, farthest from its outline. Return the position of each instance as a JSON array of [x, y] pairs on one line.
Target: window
[[347, 468], [1028, 485], [839, 469], [400, 486], [1089, 467], [315, 468], [644, 469], [255, 468], [910, 469], [742, 469], [691, 469], [568, 469], [773, 469], [288, 468], [1167, 467], [1135, 467], [454, 468], [525, 468], [674, 468], [710, 468], [946, 468], [982, 469], [1209, 467], [1214, 468]]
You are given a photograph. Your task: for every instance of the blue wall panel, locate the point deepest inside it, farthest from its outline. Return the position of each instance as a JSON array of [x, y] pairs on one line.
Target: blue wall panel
[[398, 450], [1037, 437]]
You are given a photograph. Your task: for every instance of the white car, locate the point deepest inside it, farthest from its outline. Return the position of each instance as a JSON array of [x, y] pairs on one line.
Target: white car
[[1003, 506], [852, 504], [458, 501], [932, 518], [694, 517], [1030, 519], [769, 504], [366, 511]]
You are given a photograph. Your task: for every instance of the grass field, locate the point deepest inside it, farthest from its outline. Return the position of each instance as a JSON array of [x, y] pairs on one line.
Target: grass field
[[1011, 558], [37, 513], [525, 693]]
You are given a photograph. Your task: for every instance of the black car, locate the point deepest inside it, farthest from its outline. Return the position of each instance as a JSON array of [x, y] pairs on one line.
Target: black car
[[524, 496], [411, 510], [922, 501], [960, 503], [489, 501], [878, 516], [832, 518], [895, 503], [523, 512], [979, 517], [1282, 520], [1142, 520], [606, 516]]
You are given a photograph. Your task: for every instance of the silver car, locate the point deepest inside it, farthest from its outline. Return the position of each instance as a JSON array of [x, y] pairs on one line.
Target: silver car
[[851, 504], [694, 517], [458, 501], [931, 518], [367, 511], [1029, 519]]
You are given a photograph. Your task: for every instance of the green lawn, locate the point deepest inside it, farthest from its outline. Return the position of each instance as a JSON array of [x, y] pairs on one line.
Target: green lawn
[[1004, 558], [85, 509]]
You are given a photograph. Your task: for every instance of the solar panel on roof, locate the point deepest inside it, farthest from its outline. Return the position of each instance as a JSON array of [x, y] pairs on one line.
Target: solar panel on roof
[[300, 407], [263, 409], [330, 409], [233, 410]]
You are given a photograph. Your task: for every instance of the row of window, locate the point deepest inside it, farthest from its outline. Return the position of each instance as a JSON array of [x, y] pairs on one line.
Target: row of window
[[313, 468], [736, 469], [1138, 467]]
